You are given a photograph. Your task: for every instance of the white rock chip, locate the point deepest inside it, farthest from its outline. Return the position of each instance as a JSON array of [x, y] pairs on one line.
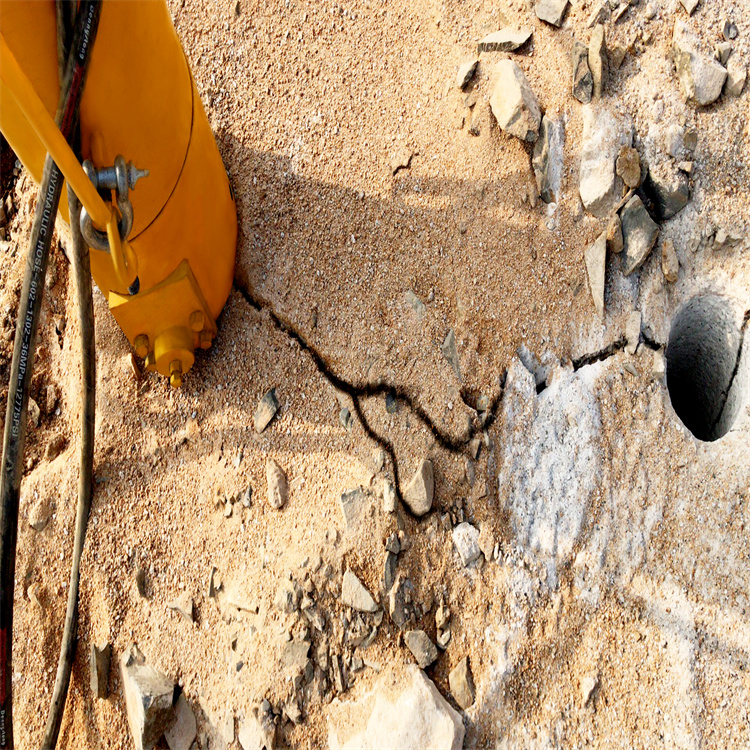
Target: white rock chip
[[466, 542], [513, 103], [405, 710], [355, 595], [419, 492], [736, 76], [701, 76]]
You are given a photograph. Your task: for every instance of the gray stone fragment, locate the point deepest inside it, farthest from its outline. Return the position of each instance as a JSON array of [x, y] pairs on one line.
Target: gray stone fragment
[[462, 683], [722, 51], [595, 256], [689, 5], [149, 699], [423, 649], [265, 411], [670, 266], [551, 11], [547, 161], [505, 40], [668, 188], [466, 72], [588, 687], [583, 80], [355, 595], [181, 734], [416, 304], [100, 658], [183, 605], [598, 62], [639, 233], [389, 571], [726, 238], [345, 418], [736, 76], [442, 616], [701, 76], [729, 30], [278, 490], [466, 542], [294, 657], [451, 353], [286, 599], [418, 494], [513, 103], [400, 601]]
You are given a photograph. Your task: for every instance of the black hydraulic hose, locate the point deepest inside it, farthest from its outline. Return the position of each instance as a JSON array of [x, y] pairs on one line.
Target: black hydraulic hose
[[82, 270], [24, 348]]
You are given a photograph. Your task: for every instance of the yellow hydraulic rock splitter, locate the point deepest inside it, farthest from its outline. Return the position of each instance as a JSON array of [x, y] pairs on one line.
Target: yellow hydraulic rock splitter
[[162, 253]]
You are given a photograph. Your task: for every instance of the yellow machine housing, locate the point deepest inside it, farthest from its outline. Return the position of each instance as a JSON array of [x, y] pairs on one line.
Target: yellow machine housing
[[140, 101]]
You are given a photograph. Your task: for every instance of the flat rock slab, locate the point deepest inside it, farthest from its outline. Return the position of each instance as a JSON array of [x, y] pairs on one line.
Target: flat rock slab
[[583, 80], [466, 72], [514, 104], [639, 234], [505, 40], [701, 76], [461, 682], [404, 710], [595, 257], [551, 11]]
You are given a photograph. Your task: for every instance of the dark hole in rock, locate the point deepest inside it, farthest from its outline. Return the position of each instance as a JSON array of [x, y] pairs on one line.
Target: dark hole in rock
[[707, 371]]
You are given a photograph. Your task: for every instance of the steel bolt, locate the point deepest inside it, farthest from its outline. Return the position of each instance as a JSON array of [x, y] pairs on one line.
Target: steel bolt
[[205, 339], [175, 373]]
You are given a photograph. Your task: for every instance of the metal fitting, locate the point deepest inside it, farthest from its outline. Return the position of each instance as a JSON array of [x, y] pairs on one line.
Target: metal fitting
[[141, 345], [175, 373]]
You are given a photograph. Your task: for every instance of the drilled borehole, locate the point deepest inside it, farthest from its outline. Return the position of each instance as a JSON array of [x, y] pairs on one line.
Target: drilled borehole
[[706, 374]]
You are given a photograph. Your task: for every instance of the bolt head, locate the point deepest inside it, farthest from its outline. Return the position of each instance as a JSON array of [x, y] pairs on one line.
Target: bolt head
[[197, 320], [141, 345]]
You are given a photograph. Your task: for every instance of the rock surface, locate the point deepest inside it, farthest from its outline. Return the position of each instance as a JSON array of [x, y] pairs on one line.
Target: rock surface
[[514, 104], [701, 76], [598, 63], [466, 72], [149, 697], [668, 188], [628, 166], [405, 710], [670, 266], [736, 76], [419, 493], [639, 233]]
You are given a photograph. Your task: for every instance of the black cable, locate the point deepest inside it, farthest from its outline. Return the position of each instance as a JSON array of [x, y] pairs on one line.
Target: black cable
[[24, 348], [82, 270]]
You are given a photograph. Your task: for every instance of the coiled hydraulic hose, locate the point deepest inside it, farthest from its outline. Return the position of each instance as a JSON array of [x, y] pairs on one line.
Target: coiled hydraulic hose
[[23, 357]]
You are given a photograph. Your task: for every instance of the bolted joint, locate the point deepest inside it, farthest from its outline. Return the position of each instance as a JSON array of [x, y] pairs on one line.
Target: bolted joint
[[175, 373], [141, 345]]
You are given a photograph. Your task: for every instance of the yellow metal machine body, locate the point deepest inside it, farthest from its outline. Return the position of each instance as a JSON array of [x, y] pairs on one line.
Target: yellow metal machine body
[[140, 102]]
